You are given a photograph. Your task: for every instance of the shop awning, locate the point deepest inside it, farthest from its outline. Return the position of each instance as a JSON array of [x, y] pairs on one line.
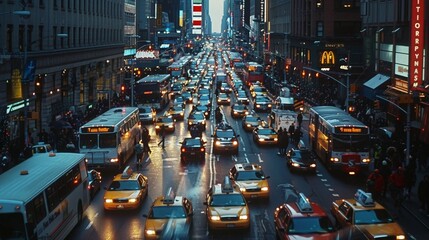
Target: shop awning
[[373, 86]]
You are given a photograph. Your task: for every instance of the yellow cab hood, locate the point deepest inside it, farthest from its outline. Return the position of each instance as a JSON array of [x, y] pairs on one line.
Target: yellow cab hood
[[228, 210], [121, 194], [385, 229]]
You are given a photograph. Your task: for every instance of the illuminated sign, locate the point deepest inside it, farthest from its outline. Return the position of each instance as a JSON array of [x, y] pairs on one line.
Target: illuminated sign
[[97, 129], [350, 130], [328, 58], [417, 42]]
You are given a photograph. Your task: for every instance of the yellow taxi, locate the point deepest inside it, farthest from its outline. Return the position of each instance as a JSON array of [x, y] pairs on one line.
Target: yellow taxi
[[302, 219], [251, 180], [170, 217], [226, 207], [168, 121], [127, 191], [367, 215]]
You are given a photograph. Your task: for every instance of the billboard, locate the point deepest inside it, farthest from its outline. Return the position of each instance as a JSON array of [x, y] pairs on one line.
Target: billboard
[[417, 42]]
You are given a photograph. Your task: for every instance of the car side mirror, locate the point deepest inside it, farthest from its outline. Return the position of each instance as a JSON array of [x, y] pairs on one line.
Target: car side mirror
[[238, 135]]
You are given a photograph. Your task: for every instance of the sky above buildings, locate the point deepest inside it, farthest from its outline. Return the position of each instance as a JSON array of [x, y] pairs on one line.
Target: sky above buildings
[[216, 12]]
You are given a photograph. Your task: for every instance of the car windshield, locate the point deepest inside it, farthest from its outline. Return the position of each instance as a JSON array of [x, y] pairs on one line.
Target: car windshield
[[145, 110], [165, 120], [223, 95], [266, 131], [163, 212], [204, 98], [239, 107], [306, 225], [124, 186], [374, 216], [225, 134], [262, 99], [192, 142], [196, 116], [222, 200], [249, 175], [252, 119], [201, 108], [303, 154], [177, 109]]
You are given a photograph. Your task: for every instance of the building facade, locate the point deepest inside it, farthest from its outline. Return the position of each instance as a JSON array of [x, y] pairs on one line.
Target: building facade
[[63, 56]]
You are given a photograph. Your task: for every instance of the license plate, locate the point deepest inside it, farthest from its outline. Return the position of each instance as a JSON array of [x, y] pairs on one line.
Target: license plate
[[192, 153], [120, 206], [230, 225], [253, 196]]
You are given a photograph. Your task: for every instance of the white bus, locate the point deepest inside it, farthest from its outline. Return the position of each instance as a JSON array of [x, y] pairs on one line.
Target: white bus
[[338, 139], [108, 140], [43, 197]]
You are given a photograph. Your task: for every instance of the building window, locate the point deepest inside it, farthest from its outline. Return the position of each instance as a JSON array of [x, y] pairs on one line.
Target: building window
[[40, 38], [9, 37], [21, 38], [319, 29], [29, 37]]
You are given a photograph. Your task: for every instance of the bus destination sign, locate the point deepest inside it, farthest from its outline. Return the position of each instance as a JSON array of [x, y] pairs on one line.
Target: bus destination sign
[[351, 130], [97, 129]]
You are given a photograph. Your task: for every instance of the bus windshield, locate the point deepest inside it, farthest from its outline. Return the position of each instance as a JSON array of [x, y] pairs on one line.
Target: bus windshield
[[12, 226], [108, 140], [350, 143], [88, 141]]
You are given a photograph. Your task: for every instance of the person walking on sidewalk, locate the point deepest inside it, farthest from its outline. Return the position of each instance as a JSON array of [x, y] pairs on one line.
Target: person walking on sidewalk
[[145, 140], [280, 140], [423, 194], [397, 185], [299, 118], [375, 184]]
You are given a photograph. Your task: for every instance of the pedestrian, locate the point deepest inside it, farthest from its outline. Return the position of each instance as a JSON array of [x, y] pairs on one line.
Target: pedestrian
[[375, 184], [291, 129], [297, 135], [280, 140], [162, 135], [285, 142], [377, 155], [423, 193], [410, 178], [397, 185], [299, 118], [385, 171], [145, 140], [218, 115], [138, 148]]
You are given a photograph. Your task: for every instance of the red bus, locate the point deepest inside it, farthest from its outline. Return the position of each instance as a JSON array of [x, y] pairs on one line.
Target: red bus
[[253, 72]]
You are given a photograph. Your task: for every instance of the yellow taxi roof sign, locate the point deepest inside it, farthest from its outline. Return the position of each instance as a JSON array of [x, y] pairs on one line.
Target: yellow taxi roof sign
[[169, 196], [304, 204], [364, 198], [128, 171]]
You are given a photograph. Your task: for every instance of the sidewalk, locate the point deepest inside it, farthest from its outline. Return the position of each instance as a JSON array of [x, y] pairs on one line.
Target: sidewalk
[[412, 205]]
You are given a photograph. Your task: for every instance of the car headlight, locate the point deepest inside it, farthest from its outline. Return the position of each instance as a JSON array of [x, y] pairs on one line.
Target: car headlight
[[400, 237], [215, 218], [276, 139], [334, 159], [261, 139], [181, 114], [229, 100], [269, 105], [150, 232], [217, 143], [132, 200], [366, 160], [264, 189], [114, 160], [157, 127], [295, 164], [235, 143], [171, 126], [248, 125], [313, 165], [108, 200], [258, 105], [243, 217], [242, 189]]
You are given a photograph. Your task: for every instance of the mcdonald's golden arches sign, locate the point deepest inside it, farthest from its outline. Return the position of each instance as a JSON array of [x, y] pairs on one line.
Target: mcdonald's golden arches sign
[[327, 58]]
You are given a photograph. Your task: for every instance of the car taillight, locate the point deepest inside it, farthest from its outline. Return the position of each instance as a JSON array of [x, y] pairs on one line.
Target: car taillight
[[202, 149], [183, 149]]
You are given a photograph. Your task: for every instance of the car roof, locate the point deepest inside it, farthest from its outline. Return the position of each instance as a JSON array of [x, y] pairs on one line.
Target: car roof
[[247, 167], [295, 211]]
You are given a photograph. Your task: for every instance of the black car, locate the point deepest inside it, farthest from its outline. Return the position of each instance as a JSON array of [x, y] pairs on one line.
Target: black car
[[192, 149], [301, 159], [94, 182], [204, 109], [225, 139]]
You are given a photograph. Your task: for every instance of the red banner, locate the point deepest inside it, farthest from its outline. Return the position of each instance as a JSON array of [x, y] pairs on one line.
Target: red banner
[[196, 22], [197, 8], [417, 42]]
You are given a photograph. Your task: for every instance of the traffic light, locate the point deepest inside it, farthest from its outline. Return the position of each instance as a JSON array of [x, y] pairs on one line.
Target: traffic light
[[377, 104]]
